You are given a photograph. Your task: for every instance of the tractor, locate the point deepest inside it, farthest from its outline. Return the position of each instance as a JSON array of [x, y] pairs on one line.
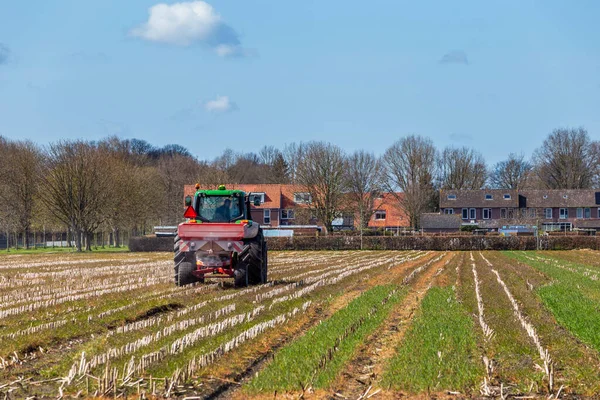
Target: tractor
[[220, 240]]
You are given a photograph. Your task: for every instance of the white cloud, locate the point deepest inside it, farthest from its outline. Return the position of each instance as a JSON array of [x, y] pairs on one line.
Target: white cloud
[[220, 104], [225, 50], [188, 23]]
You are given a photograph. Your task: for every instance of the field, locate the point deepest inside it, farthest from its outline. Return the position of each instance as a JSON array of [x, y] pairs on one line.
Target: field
[[352, 324]]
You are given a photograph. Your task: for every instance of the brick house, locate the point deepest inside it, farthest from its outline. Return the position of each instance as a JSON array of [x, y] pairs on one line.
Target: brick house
[[550, 209], [480, 205], [387, 213], [287, 205]]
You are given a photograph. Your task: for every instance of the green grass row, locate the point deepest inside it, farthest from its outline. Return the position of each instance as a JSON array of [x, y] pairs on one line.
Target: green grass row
[[316, 358], [572, 299], [439, 350]]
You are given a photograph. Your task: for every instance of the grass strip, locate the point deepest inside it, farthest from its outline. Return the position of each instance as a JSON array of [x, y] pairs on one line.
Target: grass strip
[[573, 311], [440, 349], [569, 300], [317, 357]]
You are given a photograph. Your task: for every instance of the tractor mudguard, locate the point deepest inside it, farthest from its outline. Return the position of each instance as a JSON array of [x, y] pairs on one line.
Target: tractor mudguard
[[250, 231]]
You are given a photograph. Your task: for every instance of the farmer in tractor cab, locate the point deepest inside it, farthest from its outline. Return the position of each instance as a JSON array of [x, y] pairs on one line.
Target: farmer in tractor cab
[[223, 212]]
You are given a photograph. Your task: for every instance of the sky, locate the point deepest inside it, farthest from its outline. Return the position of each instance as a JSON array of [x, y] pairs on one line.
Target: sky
[[494, 76]]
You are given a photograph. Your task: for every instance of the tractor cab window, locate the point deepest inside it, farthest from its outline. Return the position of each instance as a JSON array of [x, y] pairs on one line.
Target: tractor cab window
[[220, 208]]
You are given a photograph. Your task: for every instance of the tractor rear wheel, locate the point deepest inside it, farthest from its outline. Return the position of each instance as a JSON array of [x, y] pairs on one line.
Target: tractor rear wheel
[[184, 266], [184, 274], [240, 275], [265, 262], [256, 260]]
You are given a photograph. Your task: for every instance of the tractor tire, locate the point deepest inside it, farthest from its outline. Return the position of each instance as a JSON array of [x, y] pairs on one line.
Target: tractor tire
[[265, 262], [184, 266], [176, 243], [240, 276], [184, 274], [256, 260]]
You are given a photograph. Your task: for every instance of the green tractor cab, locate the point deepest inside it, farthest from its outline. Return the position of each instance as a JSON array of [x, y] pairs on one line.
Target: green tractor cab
[[219, 239], [219, 206]]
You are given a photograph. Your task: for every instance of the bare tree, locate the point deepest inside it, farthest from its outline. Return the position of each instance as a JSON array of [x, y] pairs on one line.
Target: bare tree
[[267, 154], [277, 171], [363, 177], [410, 166], [320, 172], [76, 187], [461, 168], [512, 173], [19, 183], [248, 168], [132, 180], [566, 160], [292, 154], [595, 150], [175, 172], [225, 160]]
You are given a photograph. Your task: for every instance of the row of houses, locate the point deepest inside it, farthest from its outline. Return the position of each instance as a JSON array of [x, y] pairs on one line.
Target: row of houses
[[493, 209], [287, 207]]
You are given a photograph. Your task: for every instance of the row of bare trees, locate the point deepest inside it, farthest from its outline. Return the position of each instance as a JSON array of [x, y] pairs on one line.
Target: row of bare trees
[[341, 183], [111, 186], [117, 186]]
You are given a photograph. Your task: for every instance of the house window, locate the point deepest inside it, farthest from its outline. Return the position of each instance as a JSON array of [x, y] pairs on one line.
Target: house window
[[507, 196], [489, 197], [465, 213], [379, 215], [580, 212], [548, 212], [487, 213], [287, 214], [532, 213], [503, 213], [510, 214], [587, 213], [302, 198], [253, 196], [451, 197], [564, 213], [267, 216], [449, 211], [472, 213]]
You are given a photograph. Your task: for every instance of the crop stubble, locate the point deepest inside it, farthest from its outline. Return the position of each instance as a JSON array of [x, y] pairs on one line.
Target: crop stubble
[[139, 303]]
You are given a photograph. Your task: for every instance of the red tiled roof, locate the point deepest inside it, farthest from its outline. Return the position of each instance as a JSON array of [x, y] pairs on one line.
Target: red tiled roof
[[272, 192], [287, 198]]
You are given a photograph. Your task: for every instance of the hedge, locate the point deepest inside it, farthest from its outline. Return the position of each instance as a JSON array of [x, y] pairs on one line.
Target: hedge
[[403, 243], [399, 243], [151, 243]]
